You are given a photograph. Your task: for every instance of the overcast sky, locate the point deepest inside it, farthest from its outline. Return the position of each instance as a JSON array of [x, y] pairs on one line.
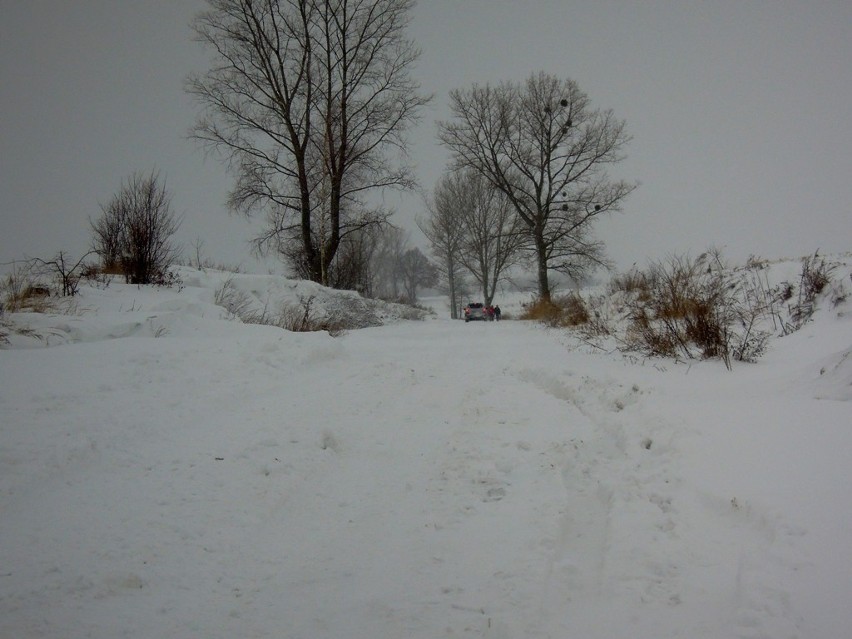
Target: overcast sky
[[740, 113]]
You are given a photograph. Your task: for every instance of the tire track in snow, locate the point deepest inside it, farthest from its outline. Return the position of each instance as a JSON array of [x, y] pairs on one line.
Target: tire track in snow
[[577, 555], [630, 517], [608, 474]]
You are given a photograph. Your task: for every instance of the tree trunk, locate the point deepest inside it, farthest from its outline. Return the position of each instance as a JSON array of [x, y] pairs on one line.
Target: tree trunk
[[451, 280], [541, 264]]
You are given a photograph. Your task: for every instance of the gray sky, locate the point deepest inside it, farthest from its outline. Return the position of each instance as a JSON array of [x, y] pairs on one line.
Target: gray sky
[[739, 113]]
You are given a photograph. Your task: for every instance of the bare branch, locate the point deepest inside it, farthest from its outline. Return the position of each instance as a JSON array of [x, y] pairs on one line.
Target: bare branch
[[542, 145], [307, 102]]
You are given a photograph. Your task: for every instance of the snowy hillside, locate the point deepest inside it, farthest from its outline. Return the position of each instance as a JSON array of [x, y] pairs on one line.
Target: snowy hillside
[[167, 470]]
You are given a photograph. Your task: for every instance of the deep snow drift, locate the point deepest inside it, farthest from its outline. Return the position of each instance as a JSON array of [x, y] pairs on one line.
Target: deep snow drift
[[166, 471]]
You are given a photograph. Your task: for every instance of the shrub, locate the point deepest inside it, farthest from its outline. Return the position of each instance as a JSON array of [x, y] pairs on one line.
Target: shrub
[[632, 282], [600, 321], [133, 236], [238, 303], [25, 289], [750, 346], [702, 308], [574, 311], [538, 310], [63, 270], [687, 309], [300, 318], [560, 312], [296, 317], [815, 277]]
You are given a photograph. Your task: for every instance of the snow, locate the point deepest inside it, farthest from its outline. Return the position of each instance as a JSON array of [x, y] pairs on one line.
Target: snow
[[169, 471]]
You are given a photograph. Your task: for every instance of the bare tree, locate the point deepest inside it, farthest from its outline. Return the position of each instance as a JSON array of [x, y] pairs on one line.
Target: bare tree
[[136, 228], [356, 266], [442, 226], [493, 233], [108, 235], [542, 145], [308, 100], [472, 225], [385, 273], [416, 271], [66, 271]]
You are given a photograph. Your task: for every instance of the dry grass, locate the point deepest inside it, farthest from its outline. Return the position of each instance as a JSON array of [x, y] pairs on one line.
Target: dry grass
[[295, 317], [702, 308], [23, 290], [815, 277], [634, 282], [688, 309], [560, 312]]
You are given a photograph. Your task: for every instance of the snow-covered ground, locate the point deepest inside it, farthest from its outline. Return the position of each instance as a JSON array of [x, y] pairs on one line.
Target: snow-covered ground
[[167, 471]]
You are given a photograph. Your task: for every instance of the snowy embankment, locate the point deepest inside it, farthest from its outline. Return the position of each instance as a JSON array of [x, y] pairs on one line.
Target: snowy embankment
[[419, 479]]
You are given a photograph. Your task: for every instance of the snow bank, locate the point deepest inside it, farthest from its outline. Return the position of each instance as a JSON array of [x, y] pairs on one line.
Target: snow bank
[[201, 303]]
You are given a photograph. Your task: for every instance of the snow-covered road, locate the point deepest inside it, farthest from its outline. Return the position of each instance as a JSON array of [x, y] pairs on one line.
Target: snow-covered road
[[418, 480]]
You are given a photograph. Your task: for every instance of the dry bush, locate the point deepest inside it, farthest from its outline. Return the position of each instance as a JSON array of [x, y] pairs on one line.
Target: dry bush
[[690, 307], [25, 289], [12, 288], [539, 310], [63, 271], [560, 312], [757, 305], [295, 317], [632, 282], [643, 335], [298, 318], [134, 234], [600, 321], [574, 311], [815, 277], [702, 308], [238, 303], [19, 291], [301, 318]]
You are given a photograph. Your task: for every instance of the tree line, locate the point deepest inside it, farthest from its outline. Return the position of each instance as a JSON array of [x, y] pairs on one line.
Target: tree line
[[309, 103]]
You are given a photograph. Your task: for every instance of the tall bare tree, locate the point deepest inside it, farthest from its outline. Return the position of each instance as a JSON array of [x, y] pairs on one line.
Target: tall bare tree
[[493, 232], [416, 271], [547, 150], [443, 227], [391, 245], [309, 101], [476, 221]]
